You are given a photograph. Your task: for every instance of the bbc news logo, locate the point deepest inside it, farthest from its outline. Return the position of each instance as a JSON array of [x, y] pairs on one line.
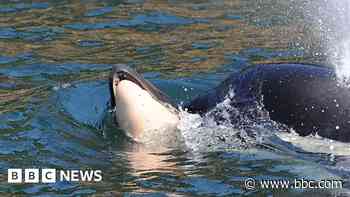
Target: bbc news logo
[[34, 175]]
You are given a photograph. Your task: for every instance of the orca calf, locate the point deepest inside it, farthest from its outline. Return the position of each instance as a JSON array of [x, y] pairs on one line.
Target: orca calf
[[144, 112], [306, 98]]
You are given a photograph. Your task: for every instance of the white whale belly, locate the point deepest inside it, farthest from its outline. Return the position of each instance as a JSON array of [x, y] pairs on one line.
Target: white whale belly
[[142, 117]]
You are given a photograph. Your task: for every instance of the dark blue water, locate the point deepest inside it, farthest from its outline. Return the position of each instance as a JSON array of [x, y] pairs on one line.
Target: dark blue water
[[55, 58]]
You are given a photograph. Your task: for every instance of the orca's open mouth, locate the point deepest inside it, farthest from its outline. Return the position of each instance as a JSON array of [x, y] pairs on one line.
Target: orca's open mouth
[[122, 72]]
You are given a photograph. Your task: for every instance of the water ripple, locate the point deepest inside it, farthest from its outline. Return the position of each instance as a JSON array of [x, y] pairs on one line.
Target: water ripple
[[155, 18]]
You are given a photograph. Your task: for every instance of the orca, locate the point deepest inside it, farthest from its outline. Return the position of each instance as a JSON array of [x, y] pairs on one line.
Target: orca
[[306, 98], [144, 112]]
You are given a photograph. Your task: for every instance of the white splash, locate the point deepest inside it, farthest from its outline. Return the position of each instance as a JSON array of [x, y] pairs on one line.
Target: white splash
[[330, 25], [205, 133], [62, 86], [335, 26], [342, 66], [343, 12], [202, 134]]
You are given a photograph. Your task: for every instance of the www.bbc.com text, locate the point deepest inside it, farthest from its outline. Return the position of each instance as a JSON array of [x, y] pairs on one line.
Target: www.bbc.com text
[[252, 184]]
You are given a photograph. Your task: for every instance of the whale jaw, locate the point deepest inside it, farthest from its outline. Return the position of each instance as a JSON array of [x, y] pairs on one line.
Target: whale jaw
[[140, 112]]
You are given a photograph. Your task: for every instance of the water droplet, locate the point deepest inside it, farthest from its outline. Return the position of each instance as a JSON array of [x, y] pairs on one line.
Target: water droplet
[[65, 85]]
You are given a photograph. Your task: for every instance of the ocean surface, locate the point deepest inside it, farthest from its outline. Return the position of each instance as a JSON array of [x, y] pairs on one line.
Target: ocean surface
[[55, 58]]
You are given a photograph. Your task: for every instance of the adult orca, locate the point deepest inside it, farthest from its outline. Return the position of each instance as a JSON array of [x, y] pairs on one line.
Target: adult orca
[[306, 98]]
